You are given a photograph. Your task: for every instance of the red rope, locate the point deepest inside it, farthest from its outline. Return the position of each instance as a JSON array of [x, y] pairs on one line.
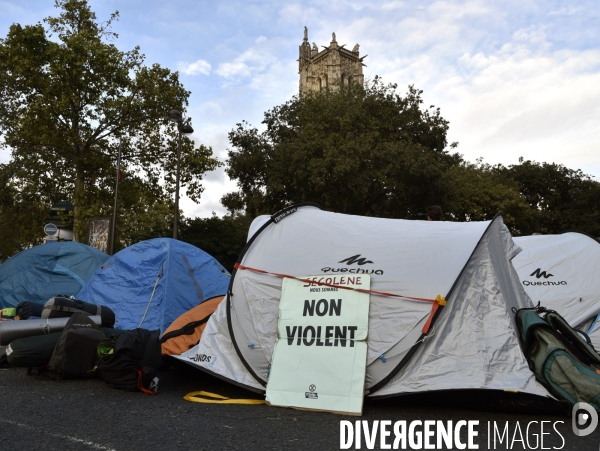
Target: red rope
[[141, 385], [361, 290]]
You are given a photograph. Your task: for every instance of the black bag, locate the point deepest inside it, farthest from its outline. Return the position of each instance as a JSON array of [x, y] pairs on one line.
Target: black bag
[[28, 309], [76, 353], [134, 363], [36, 351], [64, 306], [32, 352]]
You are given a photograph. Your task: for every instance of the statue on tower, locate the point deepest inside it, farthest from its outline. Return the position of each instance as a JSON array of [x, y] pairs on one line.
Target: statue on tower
[[305, 33]]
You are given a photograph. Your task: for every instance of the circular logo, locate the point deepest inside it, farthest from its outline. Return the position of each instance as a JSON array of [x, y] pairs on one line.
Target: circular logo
[[584, 419], [50, 229], [312, 388]]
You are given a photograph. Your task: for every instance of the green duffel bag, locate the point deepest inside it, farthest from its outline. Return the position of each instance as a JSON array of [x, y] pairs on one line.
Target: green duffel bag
[[561, 358]]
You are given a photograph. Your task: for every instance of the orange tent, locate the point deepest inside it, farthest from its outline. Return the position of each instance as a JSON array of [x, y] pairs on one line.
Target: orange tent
[[185, 332]]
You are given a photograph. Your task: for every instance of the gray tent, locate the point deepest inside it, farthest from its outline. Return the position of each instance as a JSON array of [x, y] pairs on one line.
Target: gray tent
[[472, 342], [561, 272]]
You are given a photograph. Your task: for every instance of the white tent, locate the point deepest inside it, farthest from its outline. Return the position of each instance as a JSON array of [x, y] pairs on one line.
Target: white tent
[[472, 342], [561, 272]]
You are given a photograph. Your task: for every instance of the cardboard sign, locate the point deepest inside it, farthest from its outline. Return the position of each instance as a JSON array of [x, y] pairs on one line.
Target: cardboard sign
[[319, 361]]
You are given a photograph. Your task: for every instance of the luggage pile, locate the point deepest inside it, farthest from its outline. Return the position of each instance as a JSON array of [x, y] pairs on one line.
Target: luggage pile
[[87, 346]]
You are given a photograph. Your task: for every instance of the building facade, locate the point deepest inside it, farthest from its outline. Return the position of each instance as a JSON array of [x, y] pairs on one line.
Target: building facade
[[331, 67]]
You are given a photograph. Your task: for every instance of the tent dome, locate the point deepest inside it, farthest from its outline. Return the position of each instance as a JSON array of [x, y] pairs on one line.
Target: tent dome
[[470, 341], [151, 283], [44, 271], [561, 272]]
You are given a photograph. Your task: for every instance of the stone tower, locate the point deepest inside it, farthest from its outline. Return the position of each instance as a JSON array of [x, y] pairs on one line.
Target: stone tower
[[332, 67]]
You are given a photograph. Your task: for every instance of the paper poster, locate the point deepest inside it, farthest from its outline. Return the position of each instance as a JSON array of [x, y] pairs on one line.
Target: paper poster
[[98, 233], [319, 361]]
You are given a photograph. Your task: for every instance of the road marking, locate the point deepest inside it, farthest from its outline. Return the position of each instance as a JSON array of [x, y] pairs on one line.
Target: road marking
[[61, 436]]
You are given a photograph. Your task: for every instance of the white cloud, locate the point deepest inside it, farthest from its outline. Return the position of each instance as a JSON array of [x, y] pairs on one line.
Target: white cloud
[[389, 6], [540, 105], [266, 67], [237, 68], [210, 200], [196, 68], [565, 11], [253, 61]]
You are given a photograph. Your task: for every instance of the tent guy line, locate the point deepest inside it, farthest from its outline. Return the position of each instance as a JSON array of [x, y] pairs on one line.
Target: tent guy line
[[439, 300]]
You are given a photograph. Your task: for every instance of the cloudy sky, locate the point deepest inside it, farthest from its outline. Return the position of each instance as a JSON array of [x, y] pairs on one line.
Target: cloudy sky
[[514, 78]]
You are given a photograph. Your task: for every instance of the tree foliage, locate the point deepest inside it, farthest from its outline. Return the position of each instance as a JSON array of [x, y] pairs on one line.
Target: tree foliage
[[20, 216], [366, 151], [223, 238], [370, 151], [559, 198], [69, 96], [479, 191], [143, 212]]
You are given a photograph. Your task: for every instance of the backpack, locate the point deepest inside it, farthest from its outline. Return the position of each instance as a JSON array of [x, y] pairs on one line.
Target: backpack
[[75, 353], [131, 361], [64, 306], [562, 358]]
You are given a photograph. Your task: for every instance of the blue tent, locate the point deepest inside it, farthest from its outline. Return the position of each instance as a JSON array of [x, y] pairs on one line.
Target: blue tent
[[151, 283], [43, 271]]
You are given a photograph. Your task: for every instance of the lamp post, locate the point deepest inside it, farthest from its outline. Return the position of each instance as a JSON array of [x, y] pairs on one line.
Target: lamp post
[[175, 116], [113, 225]]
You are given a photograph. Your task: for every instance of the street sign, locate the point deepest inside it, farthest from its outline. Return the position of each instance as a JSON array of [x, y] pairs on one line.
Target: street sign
[[50, 229]]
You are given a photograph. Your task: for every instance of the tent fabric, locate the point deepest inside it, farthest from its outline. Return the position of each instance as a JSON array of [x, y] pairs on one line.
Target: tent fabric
[[475, 343], [42, 272], [561, 272], [198, 315], [467, 263], [151, 283]]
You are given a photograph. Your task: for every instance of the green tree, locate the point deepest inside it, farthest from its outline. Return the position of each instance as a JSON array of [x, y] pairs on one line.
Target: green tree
[[357, 150], [223, 238], [560, 198], [69, 96], [143, 212], [477, 192], [20, 217]]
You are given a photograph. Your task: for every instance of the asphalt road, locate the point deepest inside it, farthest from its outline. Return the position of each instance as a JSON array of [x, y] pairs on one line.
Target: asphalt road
[[37, 413]]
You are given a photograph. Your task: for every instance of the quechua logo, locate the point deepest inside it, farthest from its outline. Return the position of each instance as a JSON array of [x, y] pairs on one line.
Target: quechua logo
[[539, 274], [355, 259]]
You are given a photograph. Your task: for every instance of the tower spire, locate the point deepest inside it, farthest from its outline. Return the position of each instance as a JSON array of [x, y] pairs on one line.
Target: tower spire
[[330, 68]]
